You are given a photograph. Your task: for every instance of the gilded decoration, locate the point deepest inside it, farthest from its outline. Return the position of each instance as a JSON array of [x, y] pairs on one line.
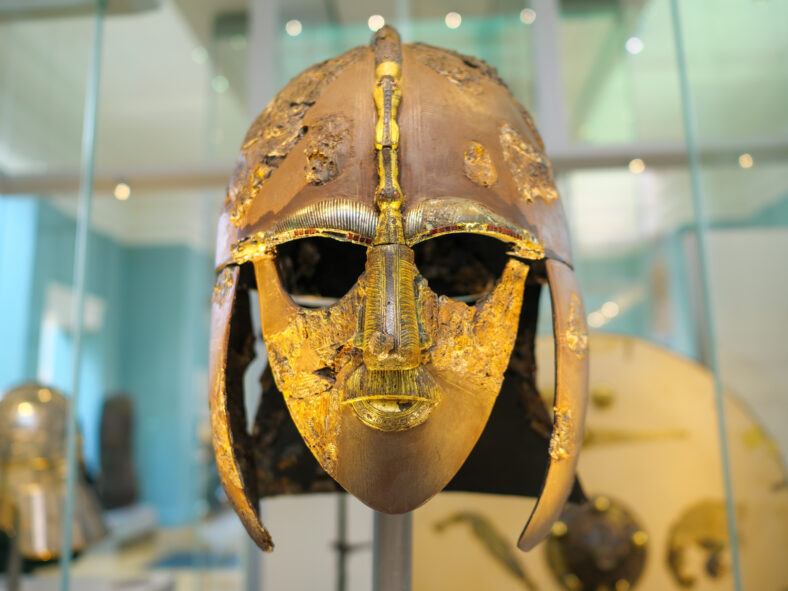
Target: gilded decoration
[[701, 530], [561, 445], [224, 282], [310, 359], [351, 221], [475, 341], [576, 331], [229, 466], [325, 150], [277, 130], [479, 167], [530, 168], [449, 216], [390, 385]]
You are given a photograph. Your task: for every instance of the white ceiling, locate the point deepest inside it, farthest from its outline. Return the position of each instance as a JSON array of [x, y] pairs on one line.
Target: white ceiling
[[158, 114]]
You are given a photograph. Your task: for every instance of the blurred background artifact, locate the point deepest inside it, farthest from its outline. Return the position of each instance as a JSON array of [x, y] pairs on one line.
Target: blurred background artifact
[[639, 530], [32, 476]]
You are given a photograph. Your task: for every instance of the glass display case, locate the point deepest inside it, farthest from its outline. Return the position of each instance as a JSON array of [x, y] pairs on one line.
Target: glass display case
[[667, 128]]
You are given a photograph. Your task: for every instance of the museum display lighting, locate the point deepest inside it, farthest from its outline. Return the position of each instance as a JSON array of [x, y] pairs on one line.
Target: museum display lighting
[[634, 45], [527, 16], [453, 20], [595, 319], [636, 166], [220, 84], [375, 22], [293, 27], [199, 55], [122, 191], [610, 309]]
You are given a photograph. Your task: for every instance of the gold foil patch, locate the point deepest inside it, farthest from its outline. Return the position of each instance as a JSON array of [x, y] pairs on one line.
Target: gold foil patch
[[576, 331], [224, 282], [277, 130], [561, 445], [324, 151], [479, 167], [309, 359], [531, 169]]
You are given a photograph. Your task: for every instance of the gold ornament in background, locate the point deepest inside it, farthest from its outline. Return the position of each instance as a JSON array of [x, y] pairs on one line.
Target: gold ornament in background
[[656, 450]]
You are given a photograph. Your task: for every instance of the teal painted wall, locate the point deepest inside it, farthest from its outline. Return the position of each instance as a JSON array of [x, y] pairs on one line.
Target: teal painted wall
[[152, 341], [18, 219]]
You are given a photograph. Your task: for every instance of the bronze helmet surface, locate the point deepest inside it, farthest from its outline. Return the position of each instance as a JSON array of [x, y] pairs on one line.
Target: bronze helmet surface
[[33, 475], [389, 148]]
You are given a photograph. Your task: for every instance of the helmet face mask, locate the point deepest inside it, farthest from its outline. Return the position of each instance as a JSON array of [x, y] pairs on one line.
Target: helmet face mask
[[390, 362], [365, 409]]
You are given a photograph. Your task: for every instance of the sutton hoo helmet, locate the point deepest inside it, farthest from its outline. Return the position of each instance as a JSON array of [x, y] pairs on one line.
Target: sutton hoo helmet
[[417, 157], [33, 475]]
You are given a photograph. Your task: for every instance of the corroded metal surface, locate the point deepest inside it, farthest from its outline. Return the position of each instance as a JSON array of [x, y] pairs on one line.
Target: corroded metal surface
[[561, 440], [576, 330], [227, 421], [571, 398], [479, 167], [277, 130], [314, 357], [326, 150], [599, 545], [391, 385], [530, 168]]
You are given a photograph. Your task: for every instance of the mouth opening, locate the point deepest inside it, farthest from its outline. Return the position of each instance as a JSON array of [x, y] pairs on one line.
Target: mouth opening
[[391, 400]]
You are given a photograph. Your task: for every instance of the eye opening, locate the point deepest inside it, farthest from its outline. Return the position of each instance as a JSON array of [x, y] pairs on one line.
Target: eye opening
[[317, 271], [462, 266]]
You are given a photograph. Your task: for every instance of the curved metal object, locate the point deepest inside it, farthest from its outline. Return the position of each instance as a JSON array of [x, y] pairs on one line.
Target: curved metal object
[[569, 408], [234, 474], [390, 385]]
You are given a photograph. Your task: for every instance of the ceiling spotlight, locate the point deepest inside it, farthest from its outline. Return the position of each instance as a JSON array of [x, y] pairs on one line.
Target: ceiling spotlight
[[746, 161], [293, 27], [375, 22], [634, 45], [220, 84], [637, 166], [610, 309], [453, 20], [199, 55], [527, 16], [122, 191], [595, 319]]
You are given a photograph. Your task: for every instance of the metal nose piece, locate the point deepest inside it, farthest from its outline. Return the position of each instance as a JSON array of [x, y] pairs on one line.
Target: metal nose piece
[[391, 329], [380, 345]]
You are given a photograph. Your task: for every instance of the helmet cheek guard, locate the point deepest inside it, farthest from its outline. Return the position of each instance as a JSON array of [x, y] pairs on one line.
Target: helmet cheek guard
[[391, 385]]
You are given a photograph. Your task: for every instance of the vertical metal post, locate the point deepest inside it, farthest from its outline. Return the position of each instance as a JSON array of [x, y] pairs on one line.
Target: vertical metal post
[[252, 565], [80, 270], [392, 552], [341, 543], [14, 566]]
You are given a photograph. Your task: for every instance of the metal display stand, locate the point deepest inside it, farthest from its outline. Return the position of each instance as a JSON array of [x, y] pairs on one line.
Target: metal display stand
[[392, 552], [14, 566]]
